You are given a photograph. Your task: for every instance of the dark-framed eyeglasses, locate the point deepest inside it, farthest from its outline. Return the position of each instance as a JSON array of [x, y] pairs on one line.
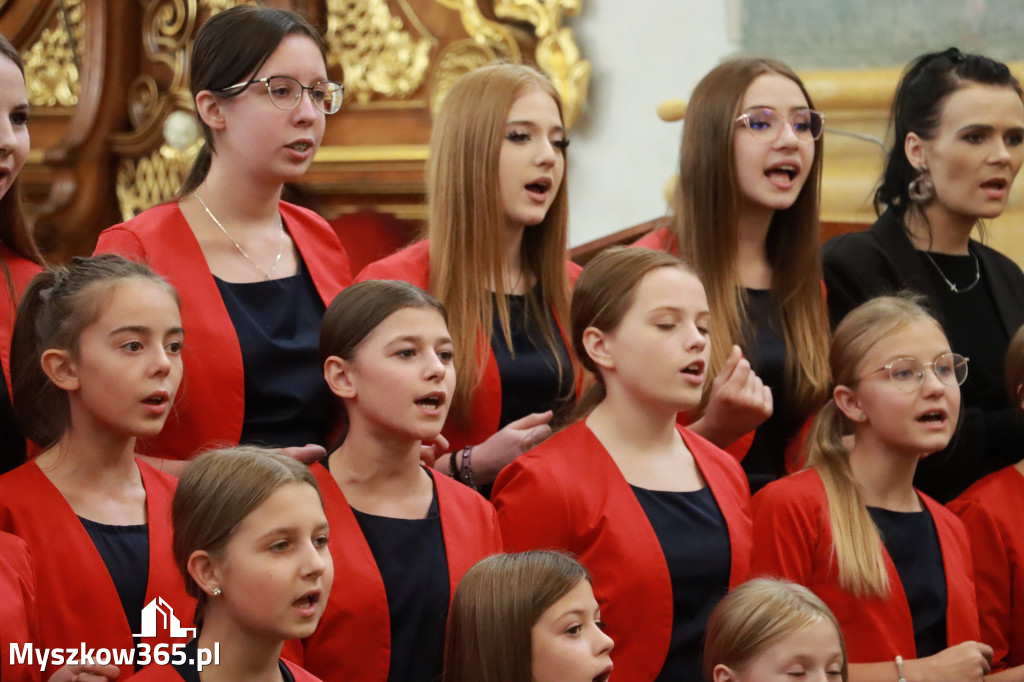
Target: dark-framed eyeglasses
[[907, 374], [285, 92], [766, 124]]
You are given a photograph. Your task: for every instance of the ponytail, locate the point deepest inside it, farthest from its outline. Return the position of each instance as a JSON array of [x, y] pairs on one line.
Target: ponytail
[[200, 169]]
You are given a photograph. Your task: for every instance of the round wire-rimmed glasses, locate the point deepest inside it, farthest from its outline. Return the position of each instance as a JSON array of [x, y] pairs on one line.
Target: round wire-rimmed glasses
[[907, 374], [285, 92], [766, 124]]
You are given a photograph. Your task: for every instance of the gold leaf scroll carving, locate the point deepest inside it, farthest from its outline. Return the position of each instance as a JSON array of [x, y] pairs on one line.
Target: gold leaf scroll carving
[[51, 64], [152, 180], [376, 52], [557, 53]]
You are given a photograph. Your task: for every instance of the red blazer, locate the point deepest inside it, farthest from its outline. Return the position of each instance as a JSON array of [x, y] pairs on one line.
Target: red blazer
[[412, 265], [22, 271], [568, 494], [167, 673], [76, 599], [353, 639], [991, 511], [793, 540], [17, 607], [210, 406]]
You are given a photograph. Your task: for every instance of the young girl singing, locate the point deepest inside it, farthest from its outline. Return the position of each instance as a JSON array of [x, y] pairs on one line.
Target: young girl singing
[[892, 564], [657, 514], [250, 540], [526, 617], [96, 364], [409, 533]]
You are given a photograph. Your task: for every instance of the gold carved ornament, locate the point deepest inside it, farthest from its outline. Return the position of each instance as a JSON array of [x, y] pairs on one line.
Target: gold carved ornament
[[52, 68]]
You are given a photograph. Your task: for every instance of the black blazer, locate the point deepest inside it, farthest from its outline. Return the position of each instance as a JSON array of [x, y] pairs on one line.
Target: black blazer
[[882, 260]]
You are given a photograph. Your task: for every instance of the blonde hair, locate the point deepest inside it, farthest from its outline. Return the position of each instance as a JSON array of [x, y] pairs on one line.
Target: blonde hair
[[216, 492], [706, 229], [467, 221], [495, 607], [756, 615], [856, 544]]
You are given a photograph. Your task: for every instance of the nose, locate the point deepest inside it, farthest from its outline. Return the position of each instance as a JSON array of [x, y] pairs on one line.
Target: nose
[[696, 340], [603, 643], [787, 135], [435, 367], [305, 111], [546, 154], [161, 362], [1001, 153], [319, 557], [8, 138], [930, 384]]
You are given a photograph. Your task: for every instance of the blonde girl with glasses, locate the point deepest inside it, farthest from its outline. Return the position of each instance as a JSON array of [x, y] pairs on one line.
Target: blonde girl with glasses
[[746, 217], [991, 511], [255, 273], [893, 565], [958, 144]]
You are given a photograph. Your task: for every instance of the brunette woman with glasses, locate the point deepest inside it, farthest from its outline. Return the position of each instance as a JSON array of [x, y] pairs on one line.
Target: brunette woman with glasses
[[958, 126], [746, 217], [255, 273]]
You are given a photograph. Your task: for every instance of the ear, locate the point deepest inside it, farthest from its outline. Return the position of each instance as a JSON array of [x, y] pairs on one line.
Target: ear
[[338, 374], [203, 570], [210, 109], [59, 367], [597, 343], [849, 404], [913, 147], [723, 673]]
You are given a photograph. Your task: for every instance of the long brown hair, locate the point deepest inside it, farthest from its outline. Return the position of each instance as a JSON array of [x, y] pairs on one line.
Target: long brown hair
[[467, 221], [856, 543], [706, 229], [15, 231], [495, 607]]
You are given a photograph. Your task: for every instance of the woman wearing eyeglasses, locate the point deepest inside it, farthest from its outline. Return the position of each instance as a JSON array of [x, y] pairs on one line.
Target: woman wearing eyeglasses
[[255, 274], [746, 217], [893, 565], [958, 124]]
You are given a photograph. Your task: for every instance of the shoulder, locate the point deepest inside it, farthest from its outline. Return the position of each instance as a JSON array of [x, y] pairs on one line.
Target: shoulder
[[150, 220], [150, 228], [710, 456], [452, 492], [411, 264], [945, 520], [155, 479], [22, 269], [566, 456], [659, 240], [804, 489], [300, 674], [15, 482], [999, 261]]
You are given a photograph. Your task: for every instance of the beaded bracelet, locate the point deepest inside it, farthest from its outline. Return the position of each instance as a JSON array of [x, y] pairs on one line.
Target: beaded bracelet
[[466, 470]]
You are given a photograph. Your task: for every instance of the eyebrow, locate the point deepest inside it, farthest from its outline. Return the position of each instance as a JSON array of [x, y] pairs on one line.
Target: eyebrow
[[143, 329], [558, 128], [413, 338]]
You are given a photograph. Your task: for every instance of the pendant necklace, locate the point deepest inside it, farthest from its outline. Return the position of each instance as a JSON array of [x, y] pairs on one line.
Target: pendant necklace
[[953, 287], [266, 273]]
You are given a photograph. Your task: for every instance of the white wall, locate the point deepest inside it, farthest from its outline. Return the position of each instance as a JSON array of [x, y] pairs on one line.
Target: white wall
[[621, 153]]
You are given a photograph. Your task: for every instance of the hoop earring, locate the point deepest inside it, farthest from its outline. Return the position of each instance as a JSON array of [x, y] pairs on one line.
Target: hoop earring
[[921, 190]]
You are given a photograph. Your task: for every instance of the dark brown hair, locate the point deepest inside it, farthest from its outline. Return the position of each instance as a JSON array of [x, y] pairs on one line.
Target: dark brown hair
[[58, 304], [230, 48]]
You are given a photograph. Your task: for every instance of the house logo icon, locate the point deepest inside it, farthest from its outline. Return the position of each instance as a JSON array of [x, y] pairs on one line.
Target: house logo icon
[[159, 610]]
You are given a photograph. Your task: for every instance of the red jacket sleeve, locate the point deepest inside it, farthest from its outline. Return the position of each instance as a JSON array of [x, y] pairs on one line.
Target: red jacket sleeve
[[532, 513], [787, 526], [123, 242]]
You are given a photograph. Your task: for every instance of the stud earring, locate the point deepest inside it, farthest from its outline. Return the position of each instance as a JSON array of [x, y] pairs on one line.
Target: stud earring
[[216, 591]]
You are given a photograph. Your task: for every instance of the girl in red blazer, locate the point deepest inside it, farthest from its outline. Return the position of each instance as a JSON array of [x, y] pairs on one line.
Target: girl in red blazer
[[746, 217], [255, 274], [991, 511], [19, 257], [251, 542], [96, 364], [892, 564], [408, 533], [658, 515], [495, 257]]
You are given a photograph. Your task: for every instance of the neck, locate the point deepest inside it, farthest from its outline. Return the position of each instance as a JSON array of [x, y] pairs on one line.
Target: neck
[[512, 261], [948, 233], [239, 203], [374, 460], [752, 248], [243, 655], [621, 419], [93, 459], [886, 478]]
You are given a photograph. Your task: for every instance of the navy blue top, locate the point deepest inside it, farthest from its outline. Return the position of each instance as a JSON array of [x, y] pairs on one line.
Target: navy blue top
[[913, 544], [12, 443], [530, 381], [695, 540], [125, 551], [411, 557], [765, 349], [287, 401], [190, 673]]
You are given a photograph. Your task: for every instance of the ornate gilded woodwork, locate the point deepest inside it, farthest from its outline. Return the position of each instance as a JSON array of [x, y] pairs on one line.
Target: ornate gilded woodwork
[[52, 62]]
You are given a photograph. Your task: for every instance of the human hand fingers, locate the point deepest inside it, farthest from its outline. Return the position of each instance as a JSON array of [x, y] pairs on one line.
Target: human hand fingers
[[307, 454]]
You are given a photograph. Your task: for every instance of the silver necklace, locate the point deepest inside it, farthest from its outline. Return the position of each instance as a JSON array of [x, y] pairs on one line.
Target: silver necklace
[[952, 287], [266, 273]]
